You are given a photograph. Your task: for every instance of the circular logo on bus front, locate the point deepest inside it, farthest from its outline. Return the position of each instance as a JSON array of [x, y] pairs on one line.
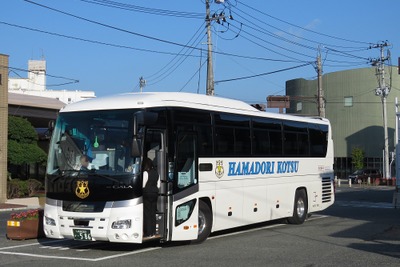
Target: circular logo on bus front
[[219, 169], [82, 189]]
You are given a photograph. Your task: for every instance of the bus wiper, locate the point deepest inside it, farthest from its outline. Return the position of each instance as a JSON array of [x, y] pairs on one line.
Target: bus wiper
[[61, 174], [103, 176], [91, 172]]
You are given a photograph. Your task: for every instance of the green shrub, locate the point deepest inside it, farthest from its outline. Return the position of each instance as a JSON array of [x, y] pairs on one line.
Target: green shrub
[[33, 186], [22, 188]]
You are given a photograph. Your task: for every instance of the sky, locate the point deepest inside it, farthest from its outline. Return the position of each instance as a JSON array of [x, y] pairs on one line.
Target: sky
[[106, 46]]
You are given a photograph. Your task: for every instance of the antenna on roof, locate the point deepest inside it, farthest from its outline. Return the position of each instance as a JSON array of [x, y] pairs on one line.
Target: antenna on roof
[[142, 83]]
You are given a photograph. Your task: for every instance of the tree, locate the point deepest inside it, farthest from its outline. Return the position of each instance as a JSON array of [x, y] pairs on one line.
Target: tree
[[22, 143], [357, 157]]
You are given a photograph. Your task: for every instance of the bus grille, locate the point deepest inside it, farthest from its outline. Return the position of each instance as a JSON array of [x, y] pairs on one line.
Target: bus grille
[[326, 189]]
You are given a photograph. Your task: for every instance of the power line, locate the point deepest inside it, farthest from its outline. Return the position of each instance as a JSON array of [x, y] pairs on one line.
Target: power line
[[45, 74], [269, 49], [260, 29], [191, 78], [288, 33], [261, 74], [180, 53], [305, 29], [106, 25], [88, 40], [147, 36], [153, 11]]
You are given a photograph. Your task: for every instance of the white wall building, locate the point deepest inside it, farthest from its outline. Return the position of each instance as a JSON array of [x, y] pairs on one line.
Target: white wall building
[[35, 85]]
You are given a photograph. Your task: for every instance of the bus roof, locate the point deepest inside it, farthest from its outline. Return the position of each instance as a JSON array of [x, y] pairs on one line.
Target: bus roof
[[158, 99], [173, 99]]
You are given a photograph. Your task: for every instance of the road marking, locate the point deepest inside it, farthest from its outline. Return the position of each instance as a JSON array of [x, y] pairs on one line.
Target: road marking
[[67, 258], [314, 217], [364, 204], [31, 244]]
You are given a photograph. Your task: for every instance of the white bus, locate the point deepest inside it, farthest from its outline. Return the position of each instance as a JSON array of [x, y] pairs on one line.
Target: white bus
[[222, 164]]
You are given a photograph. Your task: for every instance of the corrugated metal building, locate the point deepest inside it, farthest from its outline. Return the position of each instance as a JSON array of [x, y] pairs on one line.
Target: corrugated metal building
[[355, 112]]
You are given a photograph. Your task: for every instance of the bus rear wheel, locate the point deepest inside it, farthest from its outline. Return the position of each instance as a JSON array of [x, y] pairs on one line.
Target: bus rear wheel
[[205, 223], [300, 208]]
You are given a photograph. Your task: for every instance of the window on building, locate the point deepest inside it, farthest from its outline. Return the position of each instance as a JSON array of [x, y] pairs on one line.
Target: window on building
[[348, 101], [69, 100], [299, 106]]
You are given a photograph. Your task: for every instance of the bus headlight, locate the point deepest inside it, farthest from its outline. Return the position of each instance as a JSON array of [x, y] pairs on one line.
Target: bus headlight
[[122, 224], [49, 221]]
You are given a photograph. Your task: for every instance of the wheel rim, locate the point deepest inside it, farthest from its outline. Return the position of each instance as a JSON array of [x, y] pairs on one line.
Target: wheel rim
[[202, 222], [300, 208]]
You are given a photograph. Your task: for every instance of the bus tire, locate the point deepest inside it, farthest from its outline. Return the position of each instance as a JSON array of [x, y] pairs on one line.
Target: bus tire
[[300, 208], [205, 223]]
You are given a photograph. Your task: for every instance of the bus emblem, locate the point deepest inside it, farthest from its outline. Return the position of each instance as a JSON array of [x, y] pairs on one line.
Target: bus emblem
[[82, 189], [219, 170]]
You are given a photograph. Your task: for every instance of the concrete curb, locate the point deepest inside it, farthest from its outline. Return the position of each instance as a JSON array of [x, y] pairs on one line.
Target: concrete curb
[[28, 201]]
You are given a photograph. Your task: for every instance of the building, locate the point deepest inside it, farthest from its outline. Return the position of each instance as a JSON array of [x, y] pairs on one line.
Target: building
[[39, 111], [35, 85], [355, 112]]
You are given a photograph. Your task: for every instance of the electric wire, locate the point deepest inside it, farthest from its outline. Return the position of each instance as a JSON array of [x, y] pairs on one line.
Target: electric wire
[[352, 63], [305, 29], [106, 25], [270, 34], [180, 53], [87, 40], [45, 74], [146, 36], [267, 48], [174, 66], [266, 32], [261, 74], [153, 11], [185, 55], [354, 49], [191, 78]]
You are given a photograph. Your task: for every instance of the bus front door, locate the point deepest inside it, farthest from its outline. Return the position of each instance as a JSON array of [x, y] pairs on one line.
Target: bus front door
[[185, 206], [155, 150]]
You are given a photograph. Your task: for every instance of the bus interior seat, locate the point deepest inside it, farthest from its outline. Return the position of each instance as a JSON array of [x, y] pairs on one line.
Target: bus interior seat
[[100, 160]]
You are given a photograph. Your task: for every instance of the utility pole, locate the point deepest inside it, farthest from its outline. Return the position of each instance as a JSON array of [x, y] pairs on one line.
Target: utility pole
[[396, 195], [3, 126], [219, 18], [321, 100], [383, 92], [210, 71]]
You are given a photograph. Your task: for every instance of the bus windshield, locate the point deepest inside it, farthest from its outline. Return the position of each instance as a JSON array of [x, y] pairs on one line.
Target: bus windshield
[[98, 142]]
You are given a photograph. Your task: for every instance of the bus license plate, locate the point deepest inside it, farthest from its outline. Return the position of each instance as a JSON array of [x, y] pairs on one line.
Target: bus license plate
[[82, 234]]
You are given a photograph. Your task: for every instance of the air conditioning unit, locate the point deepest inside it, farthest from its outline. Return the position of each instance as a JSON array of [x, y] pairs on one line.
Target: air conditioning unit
[[219, 1]]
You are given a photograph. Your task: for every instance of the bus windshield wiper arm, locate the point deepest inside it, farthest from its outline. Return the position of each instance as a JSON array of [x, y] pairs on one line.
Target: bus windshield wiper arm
[[62, 174], [94, 173]]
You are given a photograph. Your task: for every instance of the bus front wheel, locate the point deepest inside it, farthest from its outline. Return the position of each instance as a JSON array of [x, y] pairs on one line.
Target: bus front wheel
[[205, 223], [300, 208]]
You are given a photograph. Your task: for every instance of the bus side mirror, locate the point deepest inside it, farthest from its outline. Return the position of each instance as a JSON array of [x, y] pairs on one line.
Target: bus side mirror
[[50, 126], [144, 118], [135, 149]]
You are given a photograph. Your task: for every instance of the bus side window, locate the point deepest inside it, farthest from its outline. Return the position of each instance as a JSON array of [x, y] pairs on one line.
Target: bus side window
[[186, 161], [186, 174]]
